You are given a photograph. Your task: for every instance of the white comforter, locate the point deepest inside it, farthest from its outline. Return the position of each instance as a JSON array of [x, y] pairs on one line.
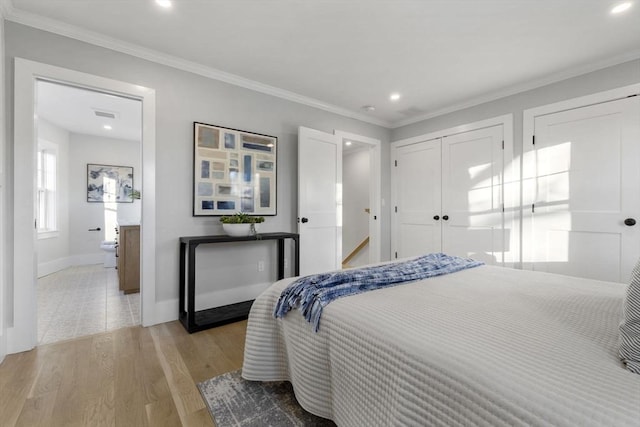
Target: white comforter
[[486, 346]]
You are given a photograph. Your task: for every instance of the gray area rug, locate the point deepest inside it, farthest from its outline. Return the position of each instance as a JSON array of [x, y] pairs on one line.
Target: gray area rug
[[235, 402]]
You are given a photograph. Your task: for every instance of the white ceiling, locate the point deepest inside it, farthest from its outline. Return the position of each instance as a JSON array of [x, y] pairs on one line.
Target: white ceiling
[[80, 105], [340, 55]]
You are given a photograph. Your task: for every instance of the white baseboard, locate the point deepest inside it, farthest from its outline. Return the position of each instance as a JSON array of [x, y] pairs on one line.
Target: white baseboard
[[87, 259], [49, 267], [229, 296], [167, 311]]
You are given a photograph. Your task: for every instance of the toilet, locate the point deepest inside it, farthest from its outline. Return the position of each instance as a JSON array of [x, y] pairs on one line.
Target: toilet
[[109, 247]]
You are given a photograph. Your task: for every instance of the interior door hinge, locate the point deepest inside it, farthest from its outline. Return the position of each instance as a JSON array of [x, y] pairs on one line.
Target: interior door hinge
[[503, 208], [396, 209], [396, 254], [533, 208], [503, 144], [395, 162], [534, 139]]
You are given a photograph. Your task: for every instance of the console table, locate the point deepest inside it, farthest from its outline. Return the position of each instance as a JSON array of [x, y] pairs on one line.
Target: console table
[[193, 320]]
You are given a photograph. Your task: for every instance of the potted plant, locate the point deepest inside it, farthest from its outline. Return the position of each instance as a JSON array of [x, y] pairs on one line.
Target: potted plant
[[241, 224]]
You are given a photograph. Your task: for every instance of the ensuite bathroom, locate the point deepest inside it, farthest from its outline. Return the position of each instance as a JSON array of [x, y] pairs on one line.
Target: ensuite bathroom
[[88, 210]]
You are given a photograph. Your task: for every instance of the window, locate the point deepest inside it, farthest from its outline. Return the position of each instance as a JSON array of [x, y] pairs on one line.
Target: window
[[46, 194]]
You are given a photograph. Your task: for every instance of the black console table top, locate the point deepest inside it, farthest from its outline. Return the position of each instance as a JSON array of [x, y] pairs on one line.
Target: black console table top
[[193, 320], [222, 238]]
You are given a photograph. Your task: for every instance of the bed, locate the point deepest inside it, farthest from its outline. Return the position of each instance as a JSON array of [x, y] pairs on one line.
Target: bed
[[484, 346]]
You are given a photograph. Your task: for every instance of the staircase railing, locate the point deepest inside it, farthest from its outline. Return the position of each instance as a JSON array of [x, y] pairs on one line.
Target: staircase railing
[[353, 253]]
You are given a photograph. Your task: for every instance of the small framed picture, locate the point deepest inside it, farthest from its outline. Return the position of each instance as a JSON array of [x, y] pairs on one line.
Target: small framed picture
[[109, 184]]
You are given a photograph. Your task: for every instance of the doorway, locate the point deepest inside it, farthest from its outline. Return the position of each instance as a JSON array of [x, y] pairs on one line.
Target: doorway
[[360, 200], [320, 198], [356, 204], [81, 133], [22, 335]]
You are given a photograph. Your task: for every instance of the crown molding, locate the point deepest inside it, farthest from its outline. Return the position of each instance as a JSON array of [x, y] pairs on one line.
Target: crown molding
[[98, 39], [513, 90], [10, 13]]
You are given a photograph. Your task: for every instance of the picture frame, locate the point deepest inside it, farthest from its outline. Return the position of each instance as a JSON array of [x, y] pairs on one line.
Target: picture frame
[[233, 171], [109, 184]]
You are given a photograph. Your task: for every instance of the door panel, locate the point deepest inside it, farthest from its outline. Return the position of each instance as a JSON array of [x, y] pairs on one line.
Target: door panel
[[319, 201], [583, 180], [472, 195], [418, 199]]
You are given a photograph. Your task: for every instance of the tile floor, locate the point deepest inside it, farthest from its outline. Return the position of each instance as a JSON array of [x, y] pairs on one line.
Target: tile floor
[[83, 300]]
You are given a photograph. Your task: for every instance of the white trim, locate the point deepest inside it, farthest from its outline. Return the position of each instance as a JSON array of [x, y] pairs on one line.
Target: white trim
[[98, 39], [528, 128], [514, 90], [511, 174], [3, 200], [375, 197], [505, 120], [166, 311], [50, 267], [22, 335], [582, 101]]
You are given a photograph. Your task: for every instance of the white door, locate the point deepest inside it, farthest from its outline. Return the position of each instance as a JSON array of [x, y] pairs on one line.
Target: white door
[[472, 199], [417, 201], [582, 181], [319, 201]]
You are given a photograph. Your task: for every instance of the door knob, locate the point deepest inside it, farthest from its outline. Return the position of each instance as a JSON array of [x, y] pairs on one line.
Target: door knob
[[630, 222], [304, 220], [445, 217], [436, 217]]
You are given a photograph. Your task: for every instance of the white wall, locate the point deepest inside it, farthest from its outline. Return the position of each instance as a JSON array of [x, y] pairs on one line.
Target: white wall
[[84, 245], [355, 199], [181, 99], [598, 81], [54, 249]]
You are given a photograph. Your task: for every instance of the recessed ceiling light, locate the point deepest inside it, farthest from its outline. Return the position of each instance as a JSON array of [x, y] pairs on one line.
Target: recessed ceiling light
[[107, 127], [621, 8], [394, 96], [347, 143], [164, 3]]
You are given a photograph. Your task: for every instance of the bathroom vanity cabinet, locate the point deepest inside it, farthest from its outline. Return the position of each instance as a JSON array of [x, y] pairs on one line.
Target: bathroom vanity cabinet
[[128, 258]]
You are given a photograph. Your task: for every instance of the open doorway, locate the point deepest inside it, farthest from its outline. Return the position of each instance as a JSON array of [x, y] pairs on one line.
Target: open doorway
[[360, 200], [22, 334], [88, 178]]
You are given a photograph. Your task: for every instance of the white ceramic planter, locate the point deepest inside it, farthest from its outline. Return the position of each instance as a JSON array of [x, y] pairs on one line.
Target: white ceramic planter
[[238, 230]]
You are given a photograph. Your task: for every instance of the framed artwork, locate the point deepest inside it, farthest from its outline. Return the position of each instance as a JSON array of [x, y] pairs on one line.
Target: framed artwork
[[109, 184], [233, 171]]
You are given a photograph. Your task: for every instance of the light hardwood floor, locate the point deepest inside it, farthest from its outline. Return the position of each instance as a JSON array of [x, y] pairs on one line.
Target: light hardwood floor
[[129, 377]]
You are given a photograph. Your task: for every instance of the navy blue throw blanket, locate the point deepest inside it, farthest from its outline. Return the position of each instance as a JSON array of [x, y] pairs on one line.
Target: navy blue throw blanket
[[312, 293]]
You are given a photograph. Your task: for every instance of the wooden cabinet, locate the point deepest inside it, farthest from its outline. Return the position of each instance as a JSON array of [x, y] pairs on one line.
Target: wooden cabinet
[[128, 256]]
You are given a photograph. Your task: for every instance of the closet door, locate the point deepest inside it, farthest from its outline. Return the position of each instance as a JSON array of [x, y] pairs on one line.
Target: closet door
[[417, 199], [472, 195], [581, 184]]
